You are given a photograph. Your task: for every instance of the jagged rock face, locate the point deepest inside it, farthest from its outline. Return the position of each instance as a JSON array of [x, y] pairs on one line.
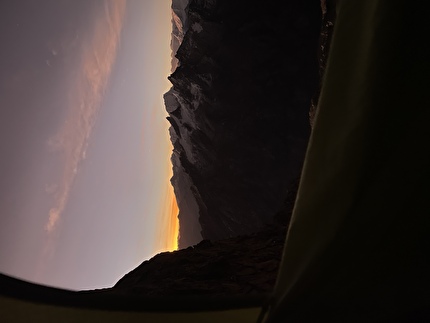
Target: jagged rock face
[[245, 265], [179, 27], [238, 110]]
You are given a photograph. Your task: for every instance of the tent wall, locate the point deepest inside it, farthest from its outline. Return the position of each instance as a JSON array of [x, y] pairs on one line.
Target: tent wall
[[14, 310], [358, 244], [22, 301]]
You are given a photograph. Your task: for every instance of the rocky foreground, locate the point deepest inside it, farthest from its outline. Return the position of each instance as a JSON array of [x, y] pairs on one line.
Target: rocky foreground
[[239, 159], [243, 265]]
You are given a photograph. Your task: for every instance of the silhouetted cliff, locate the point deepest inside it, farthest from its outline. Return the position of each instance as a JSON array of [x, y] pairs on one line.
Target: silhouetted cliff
[[239, 112]]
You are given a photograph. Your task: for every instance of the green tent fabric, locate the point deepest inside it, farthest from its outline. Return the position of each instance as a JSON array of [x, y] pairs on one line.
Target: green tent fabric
[[357, 249], [22, 301]]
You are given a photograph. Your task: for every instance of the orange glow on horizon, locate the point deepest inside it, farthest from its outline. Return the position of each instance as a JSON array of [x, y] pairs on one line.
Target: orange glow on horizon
[[167, 227], [168, 224], [172, 211], [174, 222]]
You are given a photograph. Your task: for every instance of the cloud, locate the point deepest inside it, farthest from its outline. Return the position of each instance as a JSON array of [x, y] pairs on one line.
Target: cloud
[[51, 188], [85, 98], [54, 215], [55, 143]]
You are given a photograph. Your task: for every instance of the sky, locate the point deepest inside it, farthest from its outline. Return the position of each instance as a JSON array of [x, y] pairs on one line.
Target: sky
[[85, 165]]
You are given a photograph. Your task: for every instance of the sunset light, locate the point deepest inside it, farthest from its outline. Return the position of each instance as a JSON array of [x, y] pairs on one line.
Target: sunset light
[[86, 192]]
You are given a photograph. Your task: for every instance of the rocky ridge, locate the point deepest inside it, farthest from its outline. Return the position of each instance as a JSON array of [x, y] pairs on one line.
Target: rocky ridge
[[238, 109], [246, 264], [242, 265]]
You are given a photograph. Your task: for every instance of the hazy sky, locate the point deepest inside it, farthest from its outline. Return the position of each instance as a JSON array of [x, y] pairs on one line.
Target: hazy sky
[[85, 156]]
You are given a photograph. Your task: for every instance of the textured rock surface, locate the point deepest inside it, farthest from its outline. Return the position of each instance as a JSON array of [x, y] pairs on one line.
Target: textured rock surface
[[179, 27], [229, 129], [241, 265], [239, 107]]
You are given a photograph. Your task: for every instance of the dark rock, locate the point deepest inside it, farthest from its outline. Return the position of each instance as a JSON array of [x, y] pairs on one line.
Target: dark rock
[[236, 266], [242, 265], [239, 110]]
